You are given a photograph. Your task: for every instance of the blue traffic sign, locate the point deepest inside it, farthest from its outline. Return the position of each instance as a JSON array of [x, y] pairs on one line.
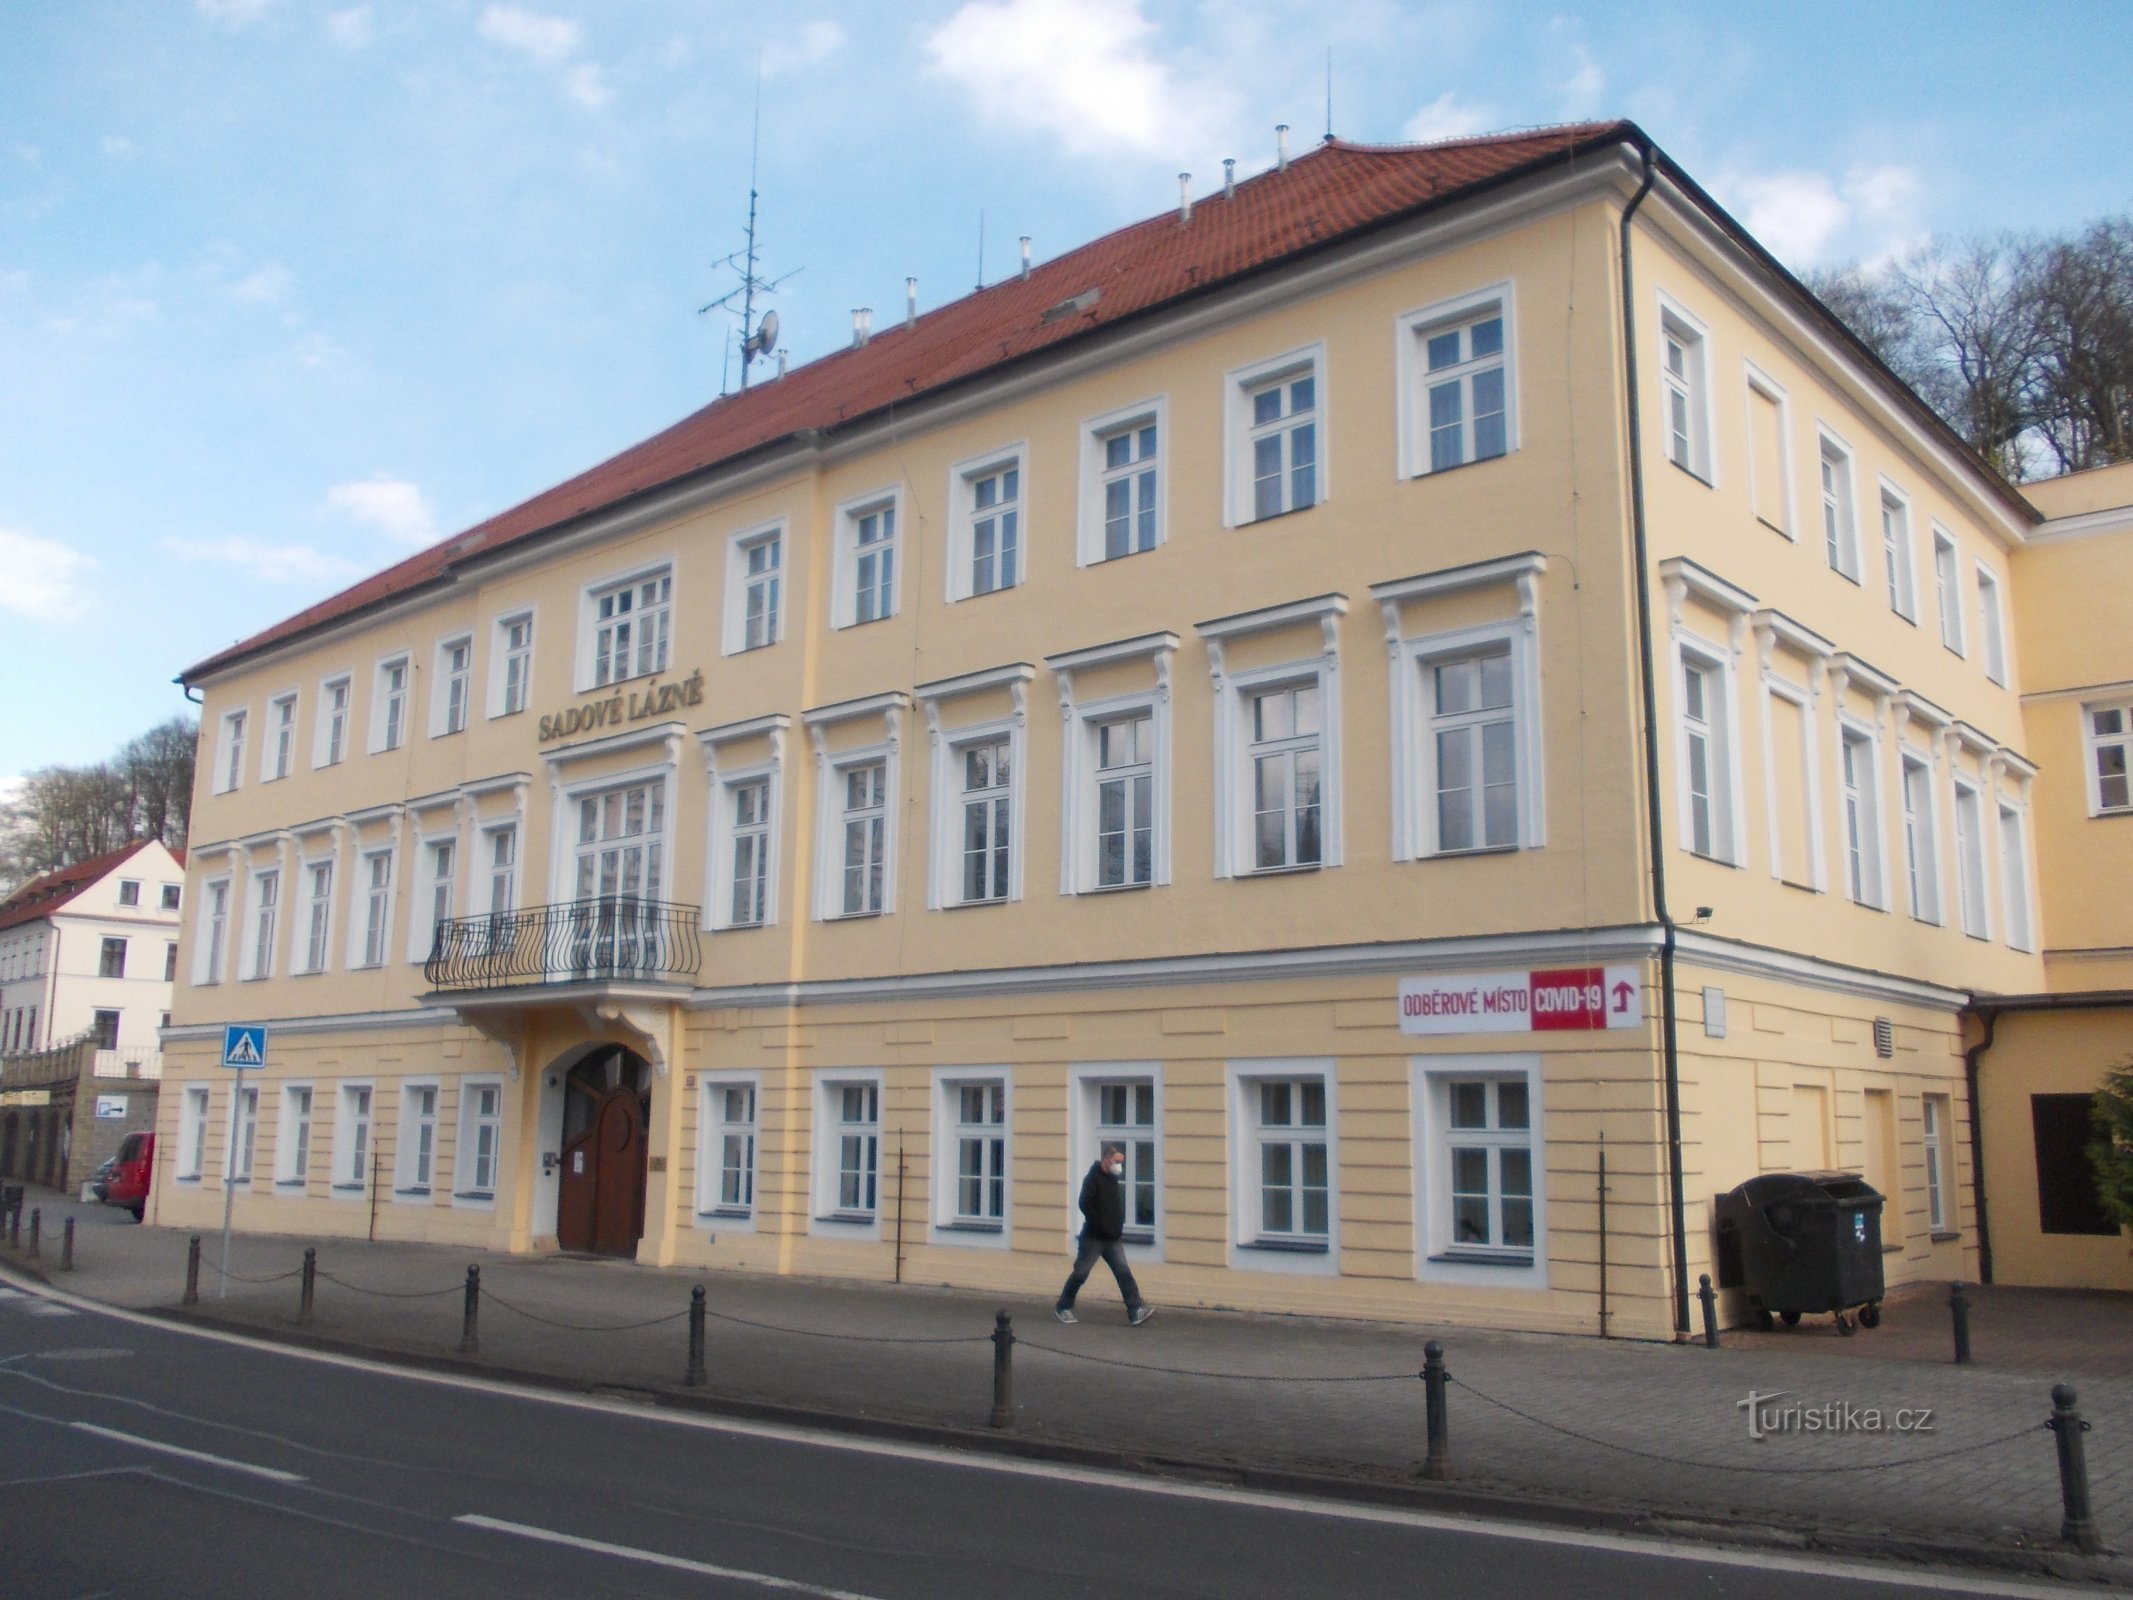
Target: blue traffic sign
[[244, 1044]]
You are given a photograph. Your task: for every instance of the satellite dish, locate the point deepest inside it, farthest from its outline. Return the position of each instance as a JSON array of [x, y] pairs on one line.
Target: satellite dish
[[765, 335]]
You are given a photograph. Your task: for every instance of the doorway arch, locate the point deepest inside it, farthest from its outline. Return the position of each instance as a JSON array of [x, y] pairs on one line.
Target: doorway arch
[[607, 1102]]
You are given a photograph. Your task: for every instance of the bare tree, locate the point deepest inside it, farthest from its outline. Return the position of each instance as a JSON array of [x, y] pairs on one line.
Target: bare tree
[[2083, 387], [68, 814], [159, 769]]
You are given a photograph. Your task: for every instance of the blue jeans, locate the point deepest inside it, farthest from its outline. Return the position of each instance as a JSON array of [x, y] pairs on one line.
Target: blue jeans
[[1114, 1256]]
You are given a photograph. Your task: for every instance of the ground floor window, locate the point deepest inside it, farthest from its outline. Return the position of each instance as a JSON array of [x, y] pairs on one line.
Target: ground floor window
[[1478, 1191], [1283, 1157], [1122, 1111], [973, 1134], [244, 1130], [481, 1125], [848, 1150], [351, 1140], [416, 1159], [292, 1141], [192, 1132], [726, 1180]]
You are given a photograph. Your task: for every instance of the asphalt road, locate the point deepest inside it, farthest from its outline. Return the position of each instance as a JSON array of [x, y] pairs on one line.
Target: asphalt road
[[138, 1459]]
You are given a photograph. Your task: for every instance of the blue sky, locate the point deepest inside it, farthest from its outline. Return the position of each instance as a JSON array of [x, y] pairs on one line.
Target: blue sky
[[289, 289]]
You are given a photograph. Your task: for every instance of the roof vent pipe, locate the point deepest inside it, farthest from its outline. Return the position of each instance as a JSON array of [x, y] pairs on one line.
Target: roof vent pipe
[[781, 363], [1025, 256], [1229, 177], [1184, 198], [910, 302], [862, 325], [1281, 147]]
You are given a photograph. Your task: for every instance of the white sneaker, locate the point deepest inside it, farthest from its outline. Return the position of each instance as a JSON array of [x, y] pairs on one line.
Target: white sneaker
[[1064, 1315]]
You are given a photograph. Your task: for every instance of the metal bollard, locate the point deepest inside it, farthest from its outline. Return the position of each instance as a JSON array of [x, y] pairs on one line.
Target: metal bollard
[[694, 1377], [14, 1226], [66, 1247], [1437, 1464], [2079, 1528], [310, 1286], [1003, 1371], [1709, 1297], [469, 1327], [1959, 1314], [36, 1228], [192, 1272]]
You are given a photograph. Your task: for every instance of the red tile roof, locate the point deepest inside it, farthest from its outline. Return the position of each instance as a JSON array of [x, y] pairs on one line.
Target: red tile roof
[[40, 897], [1332, 192]]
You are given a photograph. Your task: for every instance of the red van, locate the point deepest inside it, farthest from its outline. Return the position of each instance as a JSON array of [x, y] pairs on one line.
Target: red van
[[132, 1171]]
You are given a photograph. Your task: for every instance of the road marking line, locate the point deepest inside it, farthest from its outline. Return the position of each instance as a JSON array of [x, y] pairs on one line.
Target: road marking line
[[274, 1473], [762, 1580]]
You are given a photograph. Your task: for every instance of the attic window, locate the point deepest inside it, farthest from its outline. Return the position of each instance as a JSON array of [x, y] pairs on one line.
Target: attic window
[[1074, 307]]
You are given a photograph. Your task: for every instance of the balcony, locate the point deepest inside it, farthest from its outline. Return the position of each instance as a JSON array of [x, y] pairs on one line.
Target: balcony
[[599, 942]]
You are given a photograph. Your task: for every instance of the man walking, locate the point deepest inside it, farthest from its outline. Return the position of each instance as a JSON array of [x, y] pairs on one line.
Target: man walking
[[1103, 1221]]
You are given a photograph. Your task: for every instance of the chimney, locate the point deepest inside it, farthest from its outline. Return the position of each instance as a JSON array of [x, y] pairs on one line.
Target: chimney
[[781, 363], [1229, 177], [862, 325], [1025, 256], [910, 302], [1184, 198], [1281, 147]]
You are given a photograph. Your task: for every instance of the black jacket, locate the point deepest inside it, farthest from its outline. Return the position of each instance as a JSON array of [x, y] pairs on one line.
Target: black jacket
[[1103, 1204]]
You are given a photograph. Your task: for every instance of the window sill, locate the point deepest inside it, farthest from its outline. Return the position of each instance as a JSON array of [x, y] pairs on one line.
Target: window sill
[[477, 1196], [1774, 528], [1684, 467], [1117, 888], [968, 1225], [979, 594], [2102, 812], [853, 916], [747, 927], [1716, 861], [1478, 850], [1482, 1258], [1941, 1236], [420, 1193], [353, 1190], [1804, 888], [1276, 516], [1143, 1239], [498, 716], [1283, 872], [1457, 466], [1289, 1247], [973, 905], [727, 1213], [290, 1185], [850, 1219]]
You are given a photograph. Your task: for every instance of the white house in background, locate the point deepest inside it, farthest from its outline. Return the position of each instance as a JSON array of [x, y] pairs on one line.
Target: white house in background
[[93, 948]]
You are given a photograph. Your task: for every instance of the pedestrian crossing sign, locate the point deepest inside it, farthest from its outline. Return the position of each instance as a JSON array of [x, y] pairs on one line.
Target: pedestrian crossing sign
[[244, 1044]]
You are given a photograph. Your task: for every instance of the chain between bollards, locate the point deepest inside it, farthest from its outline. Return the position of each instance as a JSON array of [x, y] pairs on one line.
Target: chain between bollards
[[1709, 1297], [192, 1271], [469, 1327], [310, 1285], [36, 1228], [694, 1377], [2079, 1528], [1959, 1315], [1003, 1371], [66, 1247], [1437, 1464]]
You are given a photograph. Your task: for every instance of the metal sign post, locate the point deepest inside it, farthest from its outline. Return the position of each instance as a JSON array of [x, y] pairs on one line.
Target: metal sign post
[[244, 1045]]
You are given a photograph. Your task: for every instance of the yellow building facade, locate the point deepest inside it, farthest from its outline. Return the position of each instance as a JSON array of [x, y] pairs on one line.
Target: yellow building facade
[[1225, 722]]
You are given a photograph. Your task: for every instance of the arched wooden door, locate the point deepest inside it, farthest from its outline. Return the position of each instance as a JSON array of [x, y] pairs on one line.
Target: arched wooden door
[[600, 1208]]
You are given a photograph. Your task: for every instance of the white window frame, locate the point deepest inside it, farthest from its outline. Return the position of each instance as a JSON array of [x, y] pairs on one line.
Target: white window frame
[[1250, 1247], [1729, 823], [503, 658], [311, 946], [229, 750], [1936, 1118], [1919, 813], [1240, 434], [1078, 853], [1086, 1135], [1414, 745], [1973, 884], [350, 1181], [1992, 624], [295, 1130], [1760, 382], [825, 1216], [1089, 543], [714, 1212], [1235, 820], [192, 1133], [505, 874], [329, 738], [740, 547], [2093, 745], [211, 949], [422, 915], [844, 584], [1692, 387], [265, 908], [277, 750], [1438, 1259], [725, 835], [369, 910], [466, 1192], [944, 887], [1840, 546], [388, 728], [829, 835], [1948, 588], [1411, 335], [1899, 552], [1778, 768], [2012, 833], [589, 625], [410, 1183], [242, 1136], [446, 686], [948, 1224], [1872, 886], [964, 514]]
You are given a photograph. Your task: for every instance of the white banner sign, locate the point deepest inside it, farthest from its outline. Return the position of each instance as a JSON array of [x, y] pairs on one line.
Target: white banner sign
[[109, 1106], [1555, 1000]]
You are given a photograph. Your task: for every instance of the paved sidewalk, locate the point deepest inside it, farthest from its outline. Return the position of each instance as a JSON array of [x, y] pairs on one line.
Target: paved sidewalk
[[1655, 1430]]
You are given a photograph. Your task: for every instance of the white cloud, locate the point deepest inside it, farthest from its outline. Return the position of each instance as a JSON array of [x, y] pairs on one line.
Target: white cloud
[[269, 563], [45, 579], [351, 29], [118, 146], [1447, 117], [1581, 91], [816, 41], [234, 13], [270, 283], [1806, 218], [393, 506], [586, 84], [1087, 71], [548, 40]]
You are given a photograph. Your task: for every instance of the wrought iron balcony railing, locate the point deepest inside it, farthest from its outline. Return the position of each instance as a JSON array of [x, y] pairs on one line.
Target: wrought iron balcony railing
[[613, 936]]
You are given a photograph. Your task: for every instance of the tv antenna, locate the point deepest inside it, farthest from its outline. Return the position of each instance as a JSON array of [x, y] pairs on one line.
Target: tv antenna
[[758, 337]]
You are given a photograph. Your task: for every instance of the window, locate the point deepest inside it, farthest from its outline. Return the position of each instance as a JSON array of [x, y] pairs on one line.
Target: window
[[111, 960], [481, 1123], [266, 893], [631, 621], [2014, 877], [749, 806], [332, 738], [1940, 1177], [388, 716], [105, 1026], [377, 909], [850, 1148], [1466, 748], [985, 548], [229, 766], [415, 1159], [1687, 391], [280, 754], [1474, 745], [514, 664], [455, 684], [1970, 860], [1122, 1112], [1128, 484], [1286, 762], [1921, 849], [1769, 456], [503, 869], [244, 1132], [192, 1133], [1706, 746], [754, 590], [214, 933], [351, 1139], [867, 571], [1287, 1157], [1276, 436], [974, 1126], [986, 770], [440, 873], [2067, 1199], [1991, 626], [1947, 591], [170, 962], [1455, 385], [1840, 529], [726, 1172], [1896, 555], [1489, 1165], [171, 892], [1862, 817], [1125, 801], [292, 1140], [129, 893], [318, 914], [864, 786], [2110, 741]]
